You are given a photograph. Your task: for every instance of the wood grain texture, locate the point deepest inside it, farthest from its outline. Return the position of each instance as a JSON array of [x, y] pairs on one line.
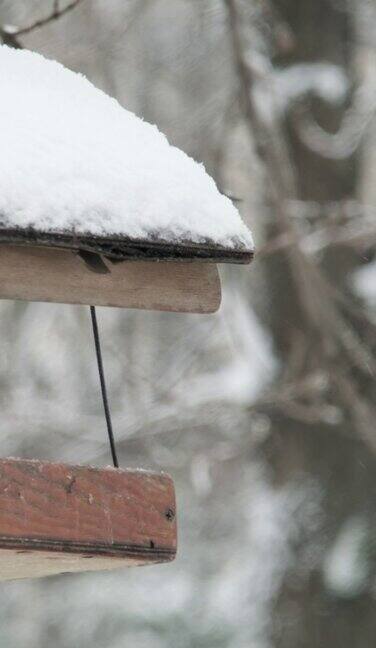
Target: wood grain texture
[[55, 517], [54, 275]]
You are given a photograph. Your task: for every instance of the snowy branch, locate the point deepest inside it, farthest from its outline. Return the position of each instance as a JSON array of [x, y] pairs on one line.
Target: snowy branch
[[346, 141]]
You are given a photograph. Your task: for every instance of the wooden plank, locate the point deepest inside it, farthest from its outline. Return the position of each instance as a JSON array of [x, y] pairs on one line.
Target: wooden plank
[[54, 275], [121, 247], [59, 518]]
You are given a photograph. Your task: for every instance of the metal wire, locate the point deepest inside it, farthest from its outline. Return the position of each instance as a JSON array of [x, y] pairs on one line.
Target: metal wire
[[103, 386]]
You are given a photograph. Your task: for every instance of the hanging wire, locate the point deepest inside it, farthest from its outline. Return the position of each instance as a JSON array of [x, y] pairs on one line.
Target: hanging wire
[[103, 386]]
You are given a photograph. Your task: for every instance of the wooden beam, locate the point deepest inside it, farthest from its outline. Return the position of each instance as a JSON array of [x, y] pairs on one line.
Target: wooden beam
[[57, 518], [54, 275]]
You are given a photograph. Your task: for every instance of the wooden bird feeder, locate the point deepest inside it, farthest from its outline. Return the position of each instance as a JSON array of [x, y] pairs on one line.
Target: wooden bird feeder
[[82, 269], [60, 518]]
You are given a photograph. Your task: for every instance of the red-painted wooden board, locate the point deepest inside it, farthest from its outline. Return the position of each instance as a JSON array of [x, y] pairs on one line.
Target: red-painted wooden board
[[56, 517]]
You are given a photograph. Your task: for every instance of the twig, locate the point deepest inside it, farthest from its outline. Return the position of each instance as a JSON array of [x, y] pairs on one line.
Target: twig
[[362, 415], [9, 38], [54, 15]]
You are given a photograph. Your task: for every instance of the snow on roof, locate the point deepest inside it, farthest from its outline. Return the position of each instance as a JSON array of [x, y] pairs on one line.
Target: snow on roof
[[72, 159]]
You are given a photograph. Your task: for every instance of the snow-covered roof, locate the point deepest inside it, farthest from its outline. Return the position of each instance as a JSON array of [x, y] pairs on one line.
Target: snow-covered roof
[[74, 163]]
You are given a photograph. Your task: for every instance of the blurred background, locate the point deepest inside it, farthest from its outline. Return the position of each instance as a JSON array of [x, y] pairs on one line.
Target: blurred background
[[264, 414]]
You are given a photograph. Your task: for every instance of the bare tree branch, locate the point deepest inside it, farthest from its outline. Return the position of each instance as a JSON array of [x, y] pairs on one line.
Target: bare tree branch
[[337, 345], [9, 34], [54, 15], [9, 38]]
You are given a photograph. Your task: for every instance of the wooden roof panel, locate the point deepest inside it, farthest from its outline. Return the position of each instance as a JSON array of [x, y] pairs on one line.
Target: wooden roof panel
[[118, 248]]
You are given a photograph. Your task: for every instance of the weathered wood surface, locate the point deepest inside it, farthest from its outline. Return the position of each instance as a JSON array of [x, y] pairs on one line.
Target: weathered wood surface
[[54, 275], [60, 518], [122, 247]]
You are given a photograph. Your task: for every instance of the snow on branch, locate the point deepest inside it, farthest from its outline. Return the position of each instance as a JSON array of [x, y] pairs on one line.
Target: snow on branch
[[345, 142]]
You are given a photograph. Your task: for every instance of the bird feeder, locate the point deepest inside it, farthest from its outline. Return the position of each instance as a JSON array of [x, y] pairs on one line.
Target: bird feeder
[[97, 208]]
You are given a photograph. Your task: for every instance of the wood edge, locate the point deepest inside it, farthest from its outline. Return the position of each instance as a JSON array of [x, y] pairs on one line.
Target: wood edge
[[126, 249], [216, 292], [127, 552], [44, 462]]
